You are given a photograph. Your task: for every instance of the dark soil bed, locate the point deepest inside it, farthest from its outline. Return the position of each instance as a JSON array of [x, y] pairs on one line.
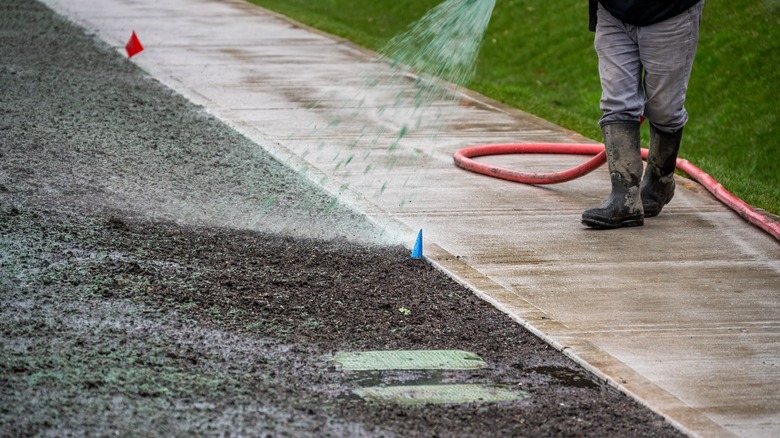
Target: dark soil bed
[[143, 295]]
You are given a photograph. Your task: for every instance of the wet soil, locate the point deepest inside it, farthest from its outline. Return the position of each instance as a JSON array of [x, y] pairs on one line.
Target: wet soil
[[161, 275]]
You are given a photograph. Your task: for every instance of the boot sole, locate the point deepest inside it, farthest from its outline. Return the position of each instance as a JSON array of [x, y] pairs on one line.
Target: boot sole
[[602, 225]]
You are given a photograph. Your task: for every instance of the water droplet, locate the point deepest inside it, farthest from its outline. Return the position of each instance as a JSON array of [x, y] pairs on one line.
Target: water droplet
[[404, 130]]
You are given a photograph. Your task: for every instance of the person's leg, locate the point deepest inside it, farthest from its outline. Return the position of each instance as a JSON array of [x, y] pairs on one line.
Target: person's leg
[[667, 52], [620, 70]]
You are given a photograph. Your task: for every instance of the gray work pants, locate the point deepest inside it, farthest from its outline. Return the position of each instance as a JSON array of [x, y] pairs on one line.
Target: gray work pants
[[644, 70]]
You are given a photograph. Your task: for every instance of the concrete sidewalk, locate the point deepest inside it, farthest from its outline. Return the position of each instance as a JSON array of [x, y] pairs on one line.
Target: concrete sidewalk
[[683, 313]]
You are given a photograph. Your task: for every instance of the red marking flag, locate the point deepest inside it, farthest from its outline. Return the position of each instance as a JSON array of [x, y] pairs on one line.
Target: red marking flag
[[133, 46]]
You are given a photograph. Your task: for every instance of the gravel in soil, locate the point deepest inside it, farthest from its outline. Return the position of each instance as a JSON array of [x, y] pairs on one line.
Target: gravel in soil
[[142, 293]]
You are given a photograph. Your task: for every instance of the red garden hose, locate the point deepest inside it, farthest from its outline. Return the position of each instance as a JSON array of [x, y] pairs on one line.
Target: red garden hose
[[463, 159]]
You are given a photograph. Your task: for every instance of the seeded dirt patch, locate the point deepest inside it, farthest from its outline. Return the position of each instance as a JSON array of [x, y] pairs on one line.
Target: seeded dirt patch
[[143, 293]]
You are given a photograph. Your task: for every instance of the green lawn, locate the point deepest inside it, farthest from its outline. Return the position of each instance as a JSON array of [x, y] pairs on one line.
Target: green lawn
[[538, 56]]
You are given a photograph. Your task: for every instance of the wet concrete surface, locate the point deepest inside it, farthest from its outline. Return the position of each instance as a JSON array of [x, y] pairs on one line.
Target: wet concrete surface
[[682, 313]]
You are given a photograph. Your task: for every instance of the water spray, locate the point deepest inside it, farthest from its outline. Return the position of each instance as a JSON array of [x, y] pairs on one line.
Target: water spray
[[444, 44]]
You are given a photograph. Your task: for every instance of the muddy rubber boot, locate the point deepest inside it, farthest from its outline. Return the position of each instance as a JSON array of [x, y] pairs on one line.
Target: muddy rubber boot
[[658, 182], [623, 208]]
